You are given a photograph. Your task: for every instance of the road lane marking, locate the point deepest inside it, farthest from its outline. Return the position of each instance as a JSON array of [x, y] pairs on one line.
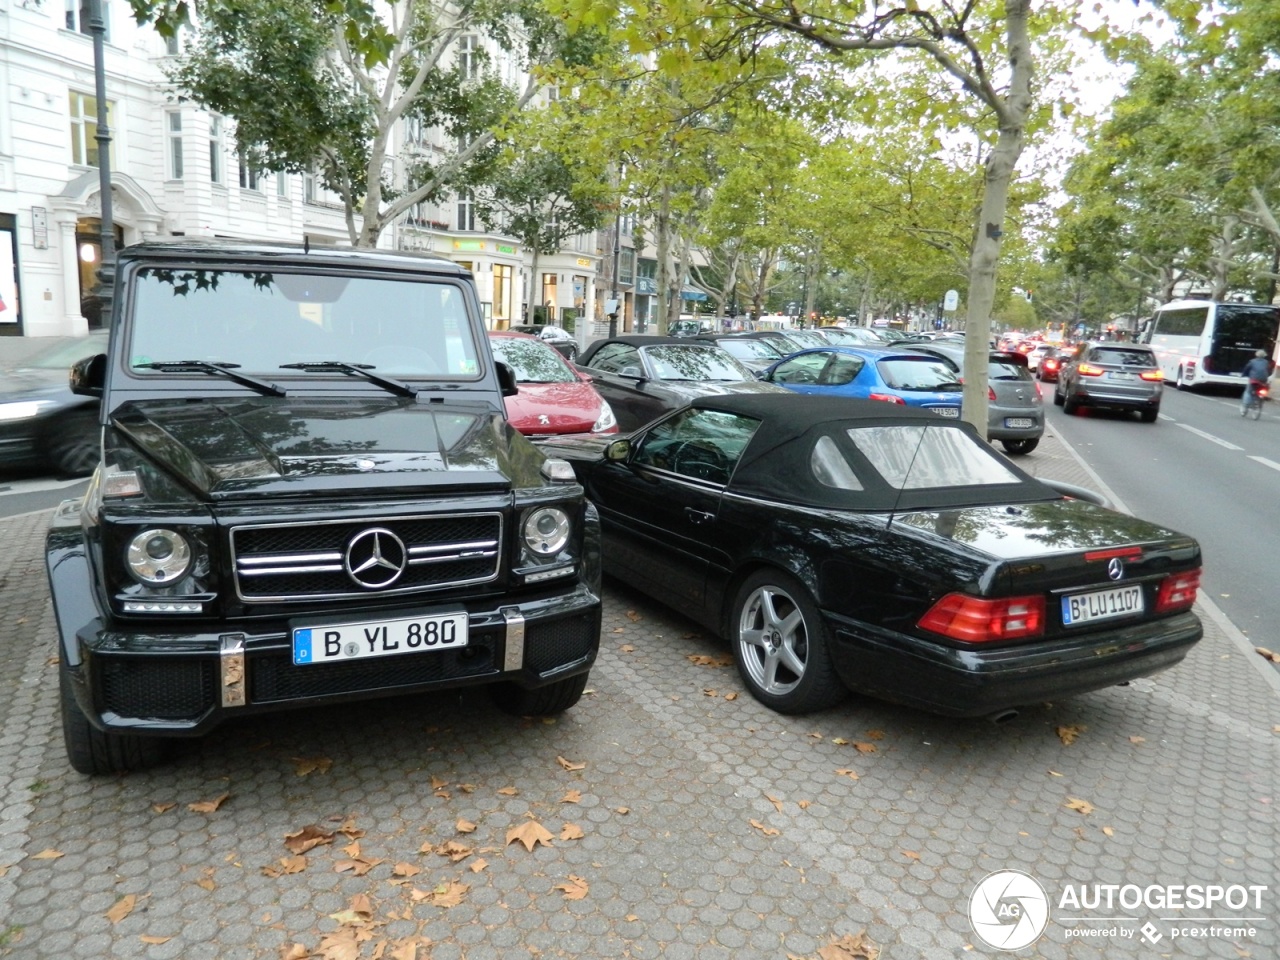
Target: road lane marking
[[1165, 416], [1209, 436], [1265, 462]]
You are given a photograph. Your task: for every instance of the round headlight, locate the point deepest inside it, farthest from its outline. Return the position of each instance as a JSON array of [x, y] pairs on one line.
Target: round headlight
[[158, 556], [546, 530]]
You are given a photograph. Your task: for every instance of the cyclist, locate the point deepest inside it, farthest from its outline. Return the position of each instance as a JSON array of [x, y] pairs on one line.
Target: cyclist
[[1256, 371]]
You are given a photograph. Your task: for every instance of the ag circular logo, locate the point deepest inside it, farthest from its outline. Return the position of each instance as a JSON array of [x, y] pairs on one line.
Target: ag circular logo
[[1008, 910]]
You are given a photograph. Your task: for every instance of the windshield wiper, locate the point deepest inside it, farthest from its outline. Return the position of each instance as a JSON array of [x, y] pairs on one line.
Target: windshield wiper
[[222, 369], [355, 369]]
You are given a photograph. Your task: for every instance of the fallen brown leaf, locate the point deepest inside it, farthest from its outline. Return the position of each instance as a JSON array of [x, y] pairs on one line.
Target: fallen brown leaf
[[571, 831], [1108, 831], [153, 939], [163, 807], [438, 783], [465, 826], [702, 660], [875, 734], [708, 692], [911, 854], [575, 889], [455, 851], [352, 849], [305, 765], [122, 908], [449, 894], [358, 866], [633, 616], [1268, 654], [508, 791], [570, 765], [804, 804], [777, 804], [208, 806], [573, 796], [341, 945], [306, 838], [404, 869], [864, 747], [840, 741], [1055, 773], [478, 865], [731, 696], [851, 947], [1068, 733], [407, 949], [767, 831], [1144, 739], [349, 829], [1080, 806], [619, 630], [362, 905], [622, 810], [294, 951], [530, 833], [48, 854], [627, 648], [847, 773], [285, 866]]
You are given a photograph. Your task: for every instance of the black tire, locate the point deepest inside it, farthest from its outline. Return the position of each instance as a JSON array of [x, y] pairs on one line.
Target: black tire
[[74, 447], [780, 645], [96, 753], [1057, 396], [1179, 382], [1070, 407], [571, 354], [541, 701], [1019, 447], [1149, 416]]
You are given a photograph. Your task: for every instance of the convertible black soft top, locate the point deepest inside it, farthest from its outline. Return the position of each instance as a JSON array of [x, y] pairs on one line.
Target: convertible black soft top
[[775, 465]]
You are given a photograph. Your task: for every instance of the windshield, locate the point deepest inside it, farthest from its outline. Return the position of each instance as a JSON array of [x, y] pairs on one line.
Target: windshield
[[262, 321], [532, 361], [749, 349], [673, 362]]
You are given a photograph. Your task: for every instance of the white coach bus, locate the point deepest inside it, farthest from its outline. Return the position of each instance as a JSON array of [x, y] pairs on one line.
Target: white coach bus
[[1199, 342]]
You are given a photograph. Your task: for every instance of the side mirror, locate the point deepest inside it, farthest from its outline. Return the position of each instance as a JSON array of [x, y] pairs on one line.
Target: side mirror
[[506, 379], [619, 450], [88, 376], [584, 376]]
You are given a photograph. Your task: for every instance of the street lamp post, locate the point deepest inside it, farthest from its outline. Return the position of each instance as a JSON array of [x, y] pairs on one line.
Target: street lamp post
[[106, 270], [617, 263]]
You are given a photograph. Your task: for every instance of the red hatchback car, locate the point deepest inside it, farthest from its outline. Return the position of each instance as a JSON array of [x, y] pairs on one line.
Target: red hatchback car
[[554, 398]]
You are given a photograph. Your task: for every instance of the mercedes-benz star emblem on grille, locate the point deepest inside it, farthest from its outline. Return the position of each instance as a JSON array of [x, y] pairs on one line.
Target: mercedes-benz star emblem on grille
[[375, 558], [1115, 569]]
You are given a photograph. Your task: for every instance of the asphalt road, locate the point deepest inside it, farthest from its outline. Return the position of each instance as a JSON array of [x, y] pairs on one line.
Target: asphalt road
[[1204, 470], [24, 493]]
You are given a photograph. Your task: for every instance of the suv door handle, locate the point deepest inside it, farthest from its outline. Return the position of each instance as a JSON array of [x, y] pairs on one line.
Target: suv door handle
[[698, 516]]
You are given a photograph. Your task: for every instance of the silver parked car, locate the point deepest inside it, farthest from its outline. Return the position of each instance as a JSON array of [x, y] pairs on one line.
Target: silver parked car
[[1015, 411], [1117, 376]]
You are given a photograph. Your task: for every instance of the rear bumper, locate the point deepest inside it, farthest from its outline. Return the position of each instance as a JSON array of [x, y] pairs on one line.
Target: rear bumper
[[998, 427], [972, 682], [1105, 396], [174, 679]]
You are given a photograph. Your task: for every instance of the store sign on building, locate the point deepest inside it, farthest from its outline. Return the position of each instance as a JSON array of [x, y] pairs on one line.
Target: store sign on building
[[506, 248], [468, 244], [39, 228]]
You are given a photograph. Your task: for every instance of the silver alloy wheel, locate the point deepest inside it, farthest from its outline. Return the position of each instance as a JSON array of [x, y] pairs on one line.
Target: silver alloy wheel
[[773, 640]]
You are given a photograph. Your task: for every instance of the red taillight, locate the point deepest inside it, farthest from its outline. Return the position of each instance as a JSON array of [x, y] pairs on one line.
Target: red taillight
[[1177, 591], [1049, 363], [1128, 552], [887, 398], [1089, 370], [980, 620], [1152, 375], [991, 394], [1262, 393]]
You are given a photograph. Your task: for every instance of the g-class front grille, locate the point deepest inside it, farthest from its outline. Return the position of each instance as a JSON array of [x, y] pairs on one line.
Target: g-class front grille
[[282, 562]]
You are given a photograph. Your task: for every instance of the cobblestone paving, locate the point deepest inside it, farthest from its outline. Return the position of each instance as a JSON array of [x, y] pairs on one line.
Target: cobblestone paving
[[710, 827]]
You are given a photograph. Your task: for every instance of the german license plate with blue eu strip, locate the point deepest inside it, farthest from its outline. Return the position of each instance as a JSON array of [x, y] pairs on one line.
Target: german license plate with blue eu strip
[[329, 642], [1101, 605]]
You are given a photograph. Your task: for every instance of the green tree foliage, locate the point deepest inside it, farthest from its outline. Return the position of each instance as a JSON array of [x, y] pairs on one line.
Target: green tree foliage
[[326, 85]]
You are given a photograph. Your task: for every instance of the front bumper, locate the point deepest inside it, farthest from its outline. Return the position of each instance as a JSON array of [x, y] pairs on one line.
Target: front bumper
[[972, 681], [173, 679]]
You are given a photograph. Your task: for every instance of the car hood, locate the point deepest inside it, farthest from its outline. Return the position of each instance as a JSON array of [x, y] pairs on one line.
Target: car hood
[[260, 446], [545, 408]]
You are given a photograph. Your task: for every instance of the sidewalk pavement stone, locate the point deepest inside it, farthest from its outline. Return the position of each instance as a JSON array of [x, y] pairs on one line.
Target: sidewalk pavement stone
[[712, 828]]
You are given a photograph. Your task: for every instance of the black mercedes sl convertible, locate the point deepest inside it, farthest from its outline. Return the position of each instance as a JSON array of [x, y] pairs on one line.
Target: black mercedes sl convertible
[[844, 543]]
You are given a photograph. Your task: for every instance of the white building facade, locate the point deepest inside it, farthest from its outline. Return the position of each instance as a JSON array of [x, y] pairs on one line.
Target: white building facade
[[175, 172]]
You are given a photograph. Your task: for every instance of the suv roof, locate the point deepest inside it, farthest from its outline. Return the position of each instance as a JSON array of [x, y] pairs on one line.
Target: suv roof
[[213, 248]]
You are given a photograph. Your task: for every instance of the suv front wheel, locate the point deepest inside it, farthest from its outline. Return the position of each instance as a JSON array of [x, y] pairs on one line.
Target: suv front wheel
[[96, 752]]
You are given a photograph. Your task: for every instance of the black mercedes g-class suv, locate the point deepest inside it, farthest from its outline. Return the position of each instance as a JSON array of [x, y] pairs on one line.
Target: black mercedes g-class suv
[[308, 493]]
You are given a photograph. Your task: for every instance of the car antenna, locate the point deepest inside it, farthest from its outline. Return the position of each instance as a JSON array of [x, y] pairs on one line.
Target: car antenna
[[893, 511], [306, 244]]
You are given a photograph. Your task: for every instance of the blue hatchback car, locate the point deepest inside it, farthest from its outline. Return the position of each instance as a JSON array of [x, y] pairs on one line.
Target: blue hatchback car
[[909, 379]]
